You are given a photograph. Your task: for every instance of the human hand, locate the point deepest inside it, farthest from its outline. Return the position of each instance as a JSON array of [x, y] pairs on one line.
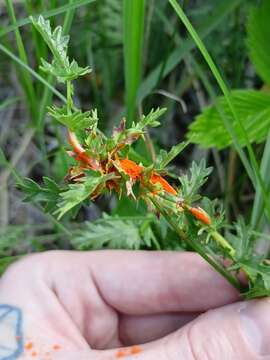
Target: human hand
[[72, 305]]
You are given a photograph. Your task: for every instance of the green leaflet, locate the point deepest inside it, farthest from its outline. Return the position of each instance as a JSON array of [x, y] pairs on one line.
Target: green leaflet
[[76, 120], [61, 67], [150, 119], [259, 274], [252, 107], [164, 157], [190, 185], [47, 194], [79, 192], [258, 31]]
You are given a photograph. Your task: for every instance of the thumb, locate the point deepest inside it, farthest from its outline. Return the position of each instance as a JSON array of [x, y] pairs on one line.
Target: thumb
[[236, 332]]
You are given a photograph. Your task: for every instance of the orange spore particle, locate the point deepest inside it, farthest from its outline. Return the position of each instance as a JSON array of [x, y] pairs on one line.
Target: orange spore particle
[[34, 354], [121, 354], [157, 179], [135, 350], [29, 346], [131, 168], [56, 347], [201, 215]]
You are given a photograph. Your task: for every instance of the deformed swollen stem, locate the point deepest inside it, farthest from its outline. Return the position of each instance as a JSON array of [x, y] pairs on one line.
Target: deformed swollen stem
[[223, 242]]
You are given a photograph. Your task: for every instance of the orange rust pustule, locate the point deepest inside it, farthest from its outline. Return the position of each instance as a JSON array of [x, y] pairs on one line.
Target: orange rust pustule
[[200, 214], [80, 152], [132, 169], [157, 179]]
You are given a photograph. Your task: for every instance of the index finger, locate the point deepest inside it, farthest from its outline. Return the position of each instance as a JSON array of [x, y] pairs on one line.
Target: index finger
[[141, 282]]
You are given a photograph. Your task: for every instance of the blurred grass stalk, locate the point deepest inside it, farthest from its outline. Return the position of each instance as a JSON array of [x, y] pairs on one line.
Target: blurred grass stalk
[[37, 106], [133, 35], [25, 79], [251, 163]]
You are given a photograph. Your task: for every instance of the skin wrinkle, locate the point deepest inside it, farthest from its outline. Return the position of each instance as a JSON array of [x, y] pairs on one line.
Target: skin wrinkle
[[115, 334], [219, 297], [68, 316], [143, 329], [93, 310], [190, 342]]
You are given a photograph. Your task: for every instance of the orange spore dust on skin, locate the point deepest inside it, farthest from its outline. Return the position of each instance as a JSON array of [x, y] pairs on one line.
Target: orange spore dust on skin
[[121, 354], [200, 214], [56, 347], [34, 354], [136, 349], [157, 179], [132, 169], [29, 346]]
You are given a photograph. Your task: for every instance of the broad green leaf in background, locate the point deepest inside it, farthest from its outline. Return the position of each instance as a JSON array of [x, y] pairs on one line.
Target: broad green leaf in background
[[252, 107], [258, 39]]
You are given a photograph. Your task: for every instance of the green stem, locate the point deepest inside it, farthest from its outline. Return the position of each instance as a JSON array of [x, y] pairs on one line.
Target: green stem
[[69, 97], [197, 247], [222, 242]]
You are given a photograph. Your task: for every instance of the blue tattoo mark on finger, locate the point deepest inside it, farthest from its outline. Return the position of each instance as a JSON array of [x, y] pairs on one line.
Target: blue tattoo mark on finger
[[11, 336]]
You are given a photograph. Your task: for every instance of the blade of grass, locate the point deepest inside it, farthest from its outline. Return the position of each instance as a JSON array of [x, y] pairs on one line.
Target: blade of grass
[[46, 14], [255, 175], [257, 210], [32, 72], [24, 75], [40, 48], [6, 103], [210, 23], [133, 31]]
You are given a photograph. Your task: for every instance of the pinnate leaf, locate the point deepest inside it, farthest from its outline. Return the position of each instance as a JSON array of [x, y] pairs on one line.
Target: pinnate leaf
[[114, 232], [79, 192], [61, 67], [76, 120], [47, 194]]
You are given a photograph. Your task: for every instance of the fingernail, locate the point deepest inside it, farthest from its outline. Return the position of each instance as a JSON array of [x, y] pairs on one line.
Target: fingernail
[[256, 325]]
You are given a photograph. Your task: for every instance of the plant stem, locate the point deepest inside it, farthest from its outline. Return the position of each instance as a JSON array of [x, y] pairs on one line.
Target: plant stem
[[223, 242], [69, 97], [196, 246]]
